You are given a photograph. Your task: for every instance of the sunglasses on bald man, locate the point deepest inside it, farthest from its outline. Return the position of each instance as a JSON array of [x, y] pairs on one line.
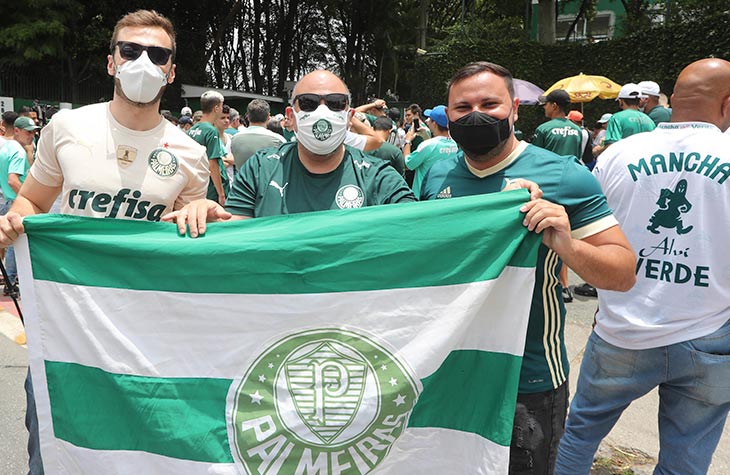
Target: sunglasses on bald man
[[309, 102]]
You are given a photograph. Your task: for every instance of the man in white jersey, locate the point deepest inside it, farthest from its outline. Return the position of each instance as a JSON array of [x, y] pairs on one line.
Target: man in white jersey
[[669, 188], [118, 159]]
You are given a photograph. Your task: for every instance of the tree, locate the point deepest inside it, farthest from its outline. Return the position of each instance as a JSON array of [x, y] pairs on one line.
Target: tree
[[586, 11], [546, 21], [637, 14]]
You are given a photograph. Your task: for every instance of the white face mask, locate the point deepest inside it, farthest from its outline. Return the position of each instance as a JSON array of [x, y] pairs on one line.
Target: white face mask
[[141, 79], [322, 130]]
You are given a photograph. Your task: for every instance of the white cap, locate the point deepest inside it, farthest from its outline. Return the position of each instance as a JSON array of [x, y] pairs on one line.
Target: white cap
[[649, 88], [279, 117], [630, 91], [186, 111], [605, 118]]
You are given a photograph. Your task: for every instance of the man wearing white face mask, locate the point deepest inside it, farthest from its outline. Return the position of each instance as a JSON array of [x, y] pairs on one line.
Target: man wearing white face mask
[[118, 159], [316, 173]]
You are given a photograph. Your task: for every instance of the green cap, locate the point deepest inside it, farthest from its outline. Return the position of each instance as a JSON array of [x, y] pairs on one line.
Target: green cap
[[25, 123]]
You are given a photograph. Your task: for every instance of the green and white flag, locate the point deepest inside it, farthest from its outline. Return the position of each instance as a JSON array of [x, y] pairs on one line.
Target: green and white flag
[[381, 340]]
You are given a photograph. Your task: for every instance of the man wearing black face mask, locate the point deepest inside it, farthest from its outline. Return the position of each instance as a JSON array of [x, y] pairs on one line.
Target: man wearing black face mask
[[577, 227]]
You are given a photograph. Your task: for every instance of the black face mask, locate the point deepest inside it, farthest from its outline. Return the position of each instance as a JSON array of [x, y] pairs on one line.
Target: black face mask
[[478, 133]]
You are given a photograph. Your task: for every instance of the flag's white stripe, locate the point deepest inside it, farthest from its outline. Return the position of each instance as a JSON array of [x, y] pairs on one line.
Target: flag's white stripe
[[35, 352], [69, 459], [417, 451], [169, 334], [444, 451]]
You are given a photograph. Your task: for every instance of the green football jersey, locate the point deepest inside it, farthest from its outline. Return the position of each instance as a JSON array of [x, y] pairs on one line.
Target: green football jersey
[[391, 154], [660, 114], [565, 181], [560, 136], [627, 123], [207, 135], [274, 182], [13, 159], [429, 152]]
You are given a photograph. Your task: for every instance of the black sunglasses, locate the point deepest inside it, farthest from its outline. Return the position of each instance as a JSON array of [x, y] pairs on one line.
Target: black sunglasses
[[131, 51], [310, 102]]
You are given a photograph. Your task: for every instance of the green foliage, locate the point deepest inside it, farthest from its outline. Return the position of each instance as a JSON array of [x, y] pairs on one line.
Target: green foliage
[[258, 45], [28, 36], [639, 15], [655, 53]]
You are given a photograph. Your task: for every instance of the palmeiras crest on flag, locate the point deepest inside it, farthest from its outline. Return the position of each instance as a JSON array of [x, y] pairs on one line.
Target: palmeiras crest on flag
[[321, 400]]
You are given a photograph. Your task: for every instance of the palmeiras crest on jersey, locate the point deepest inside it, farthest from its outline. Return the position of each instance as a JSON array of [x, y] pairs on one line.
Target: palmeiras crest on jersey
[[321, 401], [349, 196], [322, 129], [163, 162]]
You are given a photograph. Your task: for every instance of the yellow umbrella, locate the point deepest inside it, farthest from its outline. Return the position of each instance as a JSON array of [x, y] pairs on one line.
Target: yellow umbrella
[[585, 88]]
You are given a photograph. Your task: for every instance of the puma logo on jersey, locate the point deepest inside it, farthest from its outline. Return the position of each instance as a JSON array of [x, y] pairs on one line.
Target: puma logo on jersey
[[279, 187], [445, 193], [362, 164]]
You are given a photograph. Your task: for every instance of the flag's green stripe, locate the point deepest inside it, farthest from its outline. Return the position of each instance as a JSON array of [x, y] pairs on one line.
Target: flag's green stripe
[[410, 245], [184, 418], [466, 394]]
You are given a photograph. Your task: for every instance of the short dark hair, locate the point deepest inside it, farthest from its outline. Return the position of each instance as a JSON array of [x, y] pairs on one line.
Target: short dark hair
[[9, 118], [440, 127], [478, 67], [415, 109], [226, 109], [258, 111], [210, 99], [631, 102], [394, 114], [275, 126], [383, 123]]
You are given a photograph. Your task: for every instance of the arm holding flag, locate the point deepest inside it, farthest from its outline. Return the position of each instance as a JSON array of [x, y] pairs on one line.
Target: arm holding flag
[[33, 198], [605, 259]]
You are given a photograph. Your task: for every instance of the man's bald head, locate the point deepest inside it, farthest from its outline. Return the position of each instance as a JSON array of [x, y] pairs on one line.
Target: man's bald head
[[702, 93], [320, 82]]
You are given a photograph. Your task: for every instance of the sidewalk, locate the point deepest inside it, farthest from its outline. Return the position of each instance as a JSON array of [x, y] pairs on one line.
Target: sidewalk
[[13, 368]]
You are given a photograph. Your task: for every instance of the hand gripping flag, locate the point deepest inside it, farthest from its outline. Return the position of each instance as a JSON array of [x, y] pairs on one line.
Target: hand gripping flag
[[381, 340]]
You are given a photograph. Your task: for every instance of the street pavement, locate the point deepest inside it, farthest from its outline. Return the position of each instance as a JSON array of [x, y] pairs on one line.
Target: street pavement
[[635, 431], [13, 368]]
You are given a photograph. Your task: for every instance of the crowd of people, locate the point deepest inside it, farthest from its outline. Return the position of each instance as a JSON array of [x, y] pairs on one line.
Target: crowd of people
[[600, 196]]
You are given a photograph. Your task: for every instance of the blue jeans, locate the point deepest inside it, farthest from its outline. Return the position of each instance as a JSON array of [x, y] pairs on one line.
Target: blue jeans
[[694, 399]]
